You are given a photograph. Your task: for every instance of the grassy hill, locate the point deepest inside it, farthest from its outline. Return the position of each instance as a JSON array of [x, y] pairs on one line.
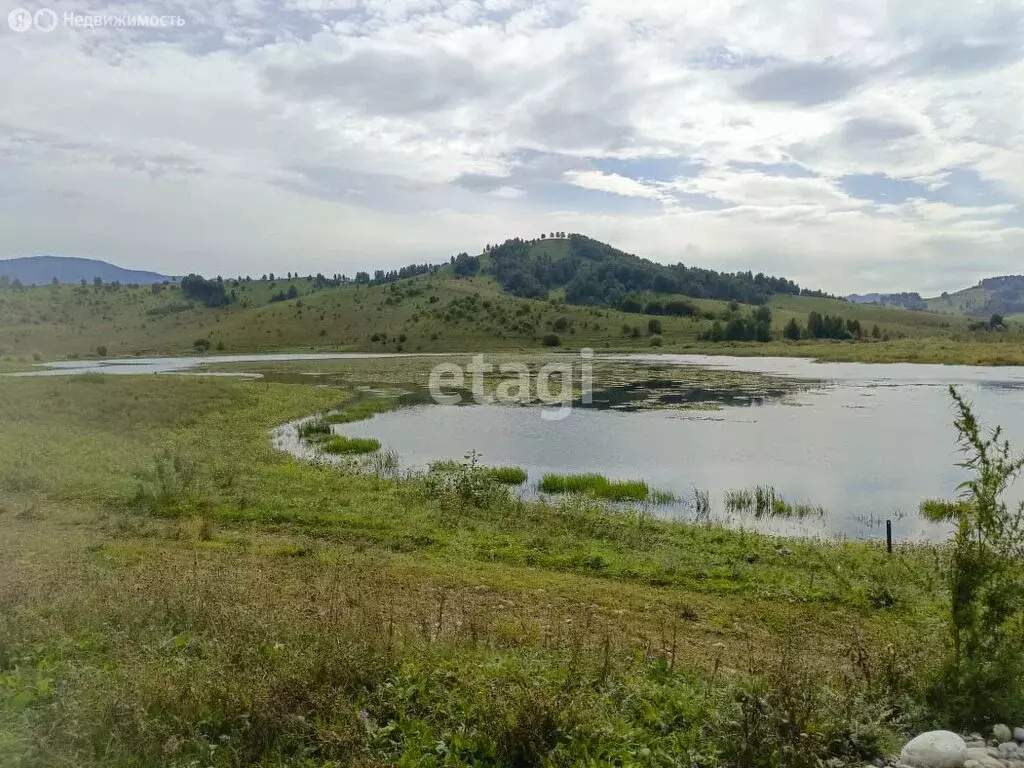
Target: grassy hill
[[995, 295], [440, 311]]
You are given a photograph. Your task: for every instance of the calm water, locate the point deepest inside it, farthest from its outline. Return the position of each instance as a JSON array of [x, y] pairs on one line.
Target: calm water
[[139, 365], [868, 444]]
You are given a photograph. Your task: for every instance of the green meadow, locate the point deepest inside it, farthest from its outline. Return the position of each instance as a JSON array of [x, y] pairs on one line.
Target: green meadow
[[177, 592]]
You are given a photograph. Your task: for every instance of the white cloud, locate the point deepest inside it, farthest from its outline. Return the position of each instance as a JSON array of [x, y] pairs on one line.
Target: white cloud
[[611, 182], [359, 132]]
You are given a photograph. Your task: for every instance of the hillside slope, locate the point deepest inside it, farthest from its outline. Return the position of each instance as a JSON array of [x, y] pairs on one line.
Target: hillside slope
[[440, 312], [994, 295], [41, 270], [590, 272]]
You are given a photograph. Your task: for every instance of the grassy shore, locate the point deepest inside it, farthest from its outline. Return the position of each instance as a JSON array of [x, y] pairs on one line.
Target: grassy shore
[[175, 592]]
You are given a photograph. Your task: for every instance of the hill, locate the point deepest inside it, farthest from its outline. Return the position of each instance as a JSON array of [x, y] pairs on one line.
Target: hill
[[1002, 295], [470, 304], [41, 270], [994, 295], [590, 272]]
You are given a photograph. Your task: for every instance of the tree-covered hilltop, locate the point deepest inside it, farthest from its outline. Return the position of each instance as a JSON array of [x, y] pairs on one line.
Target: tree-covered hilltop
[[595, 273]]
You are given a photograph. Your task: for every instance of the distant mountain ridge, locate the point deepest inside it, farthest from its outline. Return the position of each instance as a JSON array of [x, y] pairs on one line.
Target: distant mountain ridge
[[1003, 294], [40, 270], [907, 299]]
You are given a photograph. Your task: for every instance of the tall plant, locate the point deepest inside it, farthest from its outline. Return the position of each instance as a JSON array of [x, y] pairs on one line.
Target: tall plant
[[986, 581]]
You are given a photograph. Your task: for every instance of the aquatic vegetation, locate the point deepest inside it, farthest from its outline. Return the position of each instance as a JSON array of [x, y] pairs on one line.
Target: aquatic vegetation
[[662, 497], [508, 475], [596, 485], [361, 410], [384, 464], [503, 475], [701, 504], [314, 429], [764, 501], [342, 444]]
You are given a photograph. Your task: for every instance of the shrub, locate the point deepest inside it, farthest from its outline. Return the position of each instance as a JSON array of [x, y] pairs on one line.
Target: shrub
[[656, 341], [654, 326], [101, 351], [201, 345], [460, 484], [551, 340], [981, 680]]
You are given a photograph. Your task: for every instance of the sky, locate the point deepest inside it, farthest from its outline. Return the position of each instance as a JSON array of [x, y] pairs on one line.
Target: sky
[[849, 145]]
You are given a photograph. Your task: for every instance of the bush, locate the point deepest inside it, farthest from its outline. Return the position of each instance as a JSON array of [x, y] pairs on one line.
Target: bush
[[551, 340], [466, 484], [101, 351], [656, 341], [654, 326], [201, 345], [982, 679]]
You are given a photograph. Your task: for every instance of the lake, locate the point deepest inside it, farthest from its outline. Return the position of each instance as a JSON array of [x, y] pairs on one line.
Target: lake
[[867, 442]]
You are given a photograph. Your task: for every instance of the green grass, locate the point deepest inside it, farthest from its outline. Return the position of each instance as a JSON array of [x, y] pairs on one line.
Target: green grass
[[501, 475], [176, 591], [361, 410], [764, 501], [314, 429], [508, 475], [598, 486], [342, 444]]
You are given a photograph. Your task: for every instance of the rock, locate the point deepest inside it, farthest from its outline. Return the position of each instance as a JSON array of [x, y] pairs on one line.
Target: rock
[[1002, 733], [935, 749], [1008, 749], [1018, 735], [976, 744], [981, 753], [982, 757]]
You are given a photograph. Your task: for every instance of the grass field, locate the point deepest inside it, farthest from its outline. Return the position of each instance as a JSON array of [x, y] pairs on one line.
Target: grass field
[[174, 592], [434, 313]]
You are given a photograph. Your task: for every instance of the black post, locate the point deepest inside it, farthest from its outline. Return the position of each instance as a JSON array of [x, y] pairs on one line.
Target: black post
[[888, 536]]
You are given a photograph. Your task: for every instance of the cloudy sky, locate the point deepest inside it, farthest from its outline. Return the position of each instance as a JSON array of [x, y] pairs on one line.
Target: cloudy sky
[[852, 145]]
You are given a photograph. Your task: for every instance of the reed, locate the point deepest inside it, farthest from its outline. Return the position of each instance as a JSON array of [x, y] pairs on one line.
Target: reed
[[596, 485], [340, 444]]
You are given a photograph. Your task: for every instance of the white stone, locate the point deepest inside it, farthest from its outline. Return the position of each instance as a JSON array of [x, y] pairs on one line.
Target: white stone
[[1018, 734], [982, 758], [1002, 733], [1008, 749], [935, 749]]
